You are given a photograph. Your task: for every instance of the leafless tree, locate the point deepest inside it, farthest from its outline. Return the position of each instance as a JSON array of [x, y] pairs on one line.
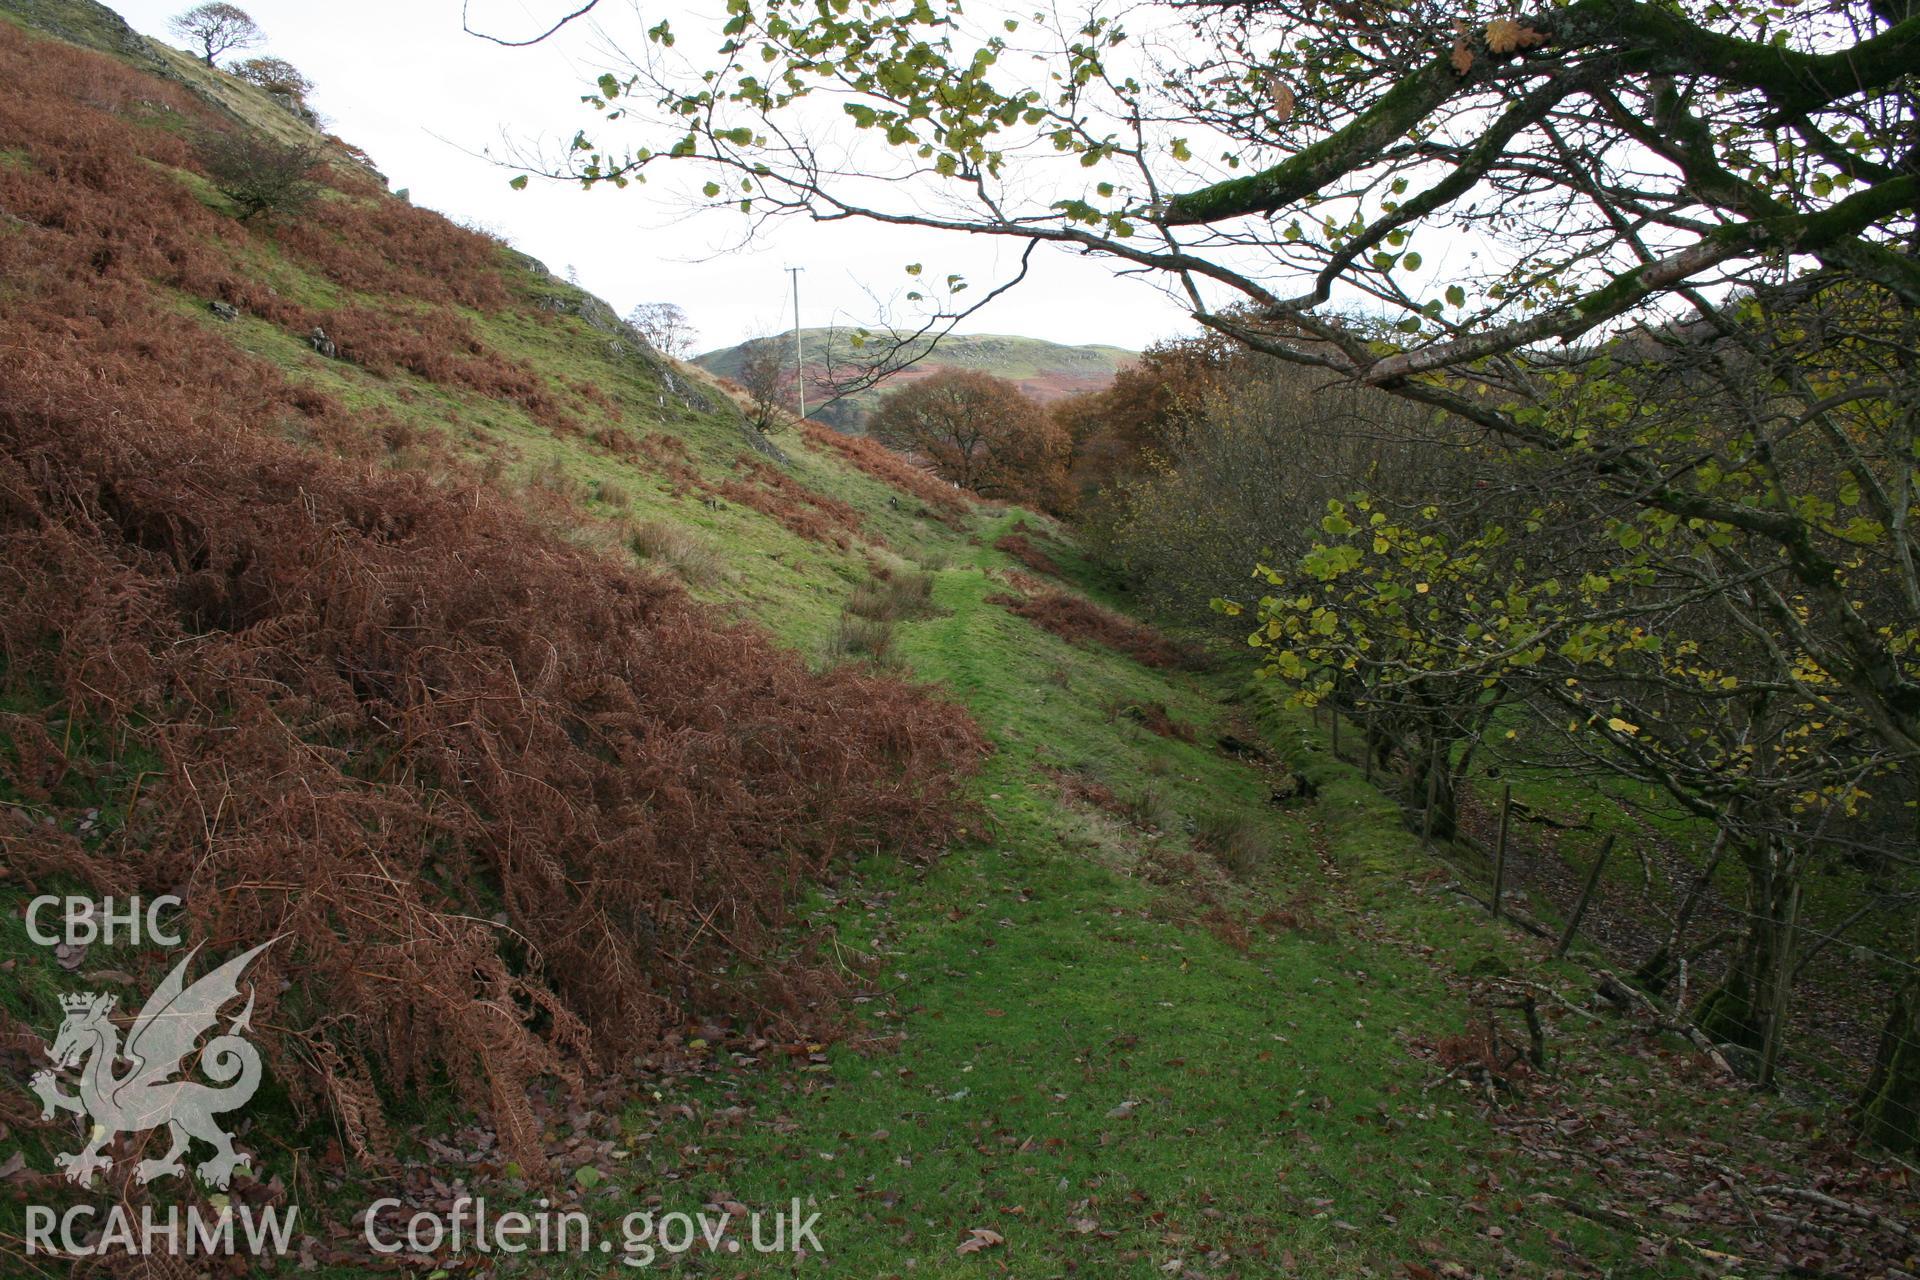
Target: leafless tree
[[763, 376], [216, 29], [666, 328], [260, 175]]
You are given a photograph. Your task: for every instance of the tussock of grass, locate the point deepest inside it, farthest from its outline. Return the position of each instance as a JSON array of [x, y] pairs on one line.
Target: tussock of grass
[[613, 494], [1234, 842], [1149, 807], [855, 637], [695, 562], [894, 598]]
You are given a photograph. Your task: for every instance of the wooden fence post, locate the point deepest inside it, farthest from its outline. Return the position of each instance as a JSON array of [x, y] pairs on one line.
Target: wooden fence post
[[1500, 848], [1586, 895]]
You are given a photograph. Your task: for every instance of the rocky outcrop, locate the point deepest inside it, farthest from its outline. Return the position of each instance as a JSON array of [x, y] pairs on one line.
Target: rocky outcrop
[[624, 342], [83, 22]]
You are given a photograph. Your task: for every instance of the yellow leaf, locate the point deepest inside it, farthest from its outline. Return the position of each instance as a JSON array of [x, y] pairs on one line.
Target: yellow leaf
[[1618, 725]]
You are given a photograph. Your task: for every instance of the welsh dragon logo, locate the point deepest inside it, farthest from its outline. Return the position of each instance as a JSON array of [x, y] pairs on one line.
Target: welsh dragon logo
[[144, 1095]]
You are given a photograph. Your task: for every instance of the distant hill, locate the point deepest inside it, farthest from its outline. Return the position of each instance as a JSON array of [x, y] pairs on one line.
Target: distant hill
[[1044, 370]]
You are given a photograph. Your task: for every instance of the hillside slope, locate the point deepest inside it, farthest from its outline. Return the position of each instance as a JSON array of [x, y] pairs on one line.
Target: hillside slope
[[656, 823], [1044, 370]]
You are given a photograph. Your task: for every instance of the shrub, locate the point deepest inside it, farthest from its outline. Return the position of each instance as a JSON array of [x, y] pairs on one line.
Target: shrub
[[1021, 548], [943, 501], [1077, 786], [1081, 621], [259, 174], [373, 243], [276, 76], [1153, 716], [774, 493]]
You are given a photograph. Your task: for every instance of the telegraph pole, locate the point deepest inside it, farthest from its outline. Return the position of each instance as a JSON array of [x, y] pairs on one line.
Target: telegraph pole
[[799, 363]]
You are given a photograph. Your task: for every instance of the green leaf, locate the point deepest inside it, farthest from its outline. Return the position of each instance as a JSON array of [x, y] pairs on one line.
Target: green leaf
[[519, 182]]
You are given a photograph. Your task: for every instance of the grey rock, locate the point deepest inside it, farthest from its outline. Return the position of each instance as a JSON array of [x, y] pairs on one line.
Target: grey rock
[[224, 310], [757, 441], [323, 344], [527, 262], [627, 343]]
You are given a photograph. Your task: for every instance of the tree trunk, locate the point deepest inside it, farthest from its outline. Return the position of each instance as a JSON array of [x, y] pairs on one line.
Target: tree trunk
[[1890, 1104], [1434, 778], [1745, 1008], [1659, 968]]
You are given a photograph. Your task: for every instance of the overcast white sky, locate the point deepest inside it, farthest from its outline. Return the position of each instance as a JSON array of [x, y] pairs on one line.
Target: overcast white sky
[[400, 79]]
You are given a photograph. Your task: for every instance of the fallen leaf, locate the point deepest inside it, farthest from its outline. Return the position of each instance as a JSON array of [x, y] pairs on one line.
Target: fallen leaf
[[979, 1238]]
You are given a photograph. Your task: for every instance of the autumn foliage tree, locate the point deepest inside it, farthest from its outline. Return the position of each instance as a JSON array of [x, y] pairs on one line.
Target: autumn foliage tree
[[981, 432], [277, 76]]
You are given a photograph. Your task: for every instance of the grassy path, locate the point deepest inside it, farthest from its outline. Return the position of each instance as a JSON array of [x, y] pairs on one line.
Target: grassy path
[[1083, 1070]]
